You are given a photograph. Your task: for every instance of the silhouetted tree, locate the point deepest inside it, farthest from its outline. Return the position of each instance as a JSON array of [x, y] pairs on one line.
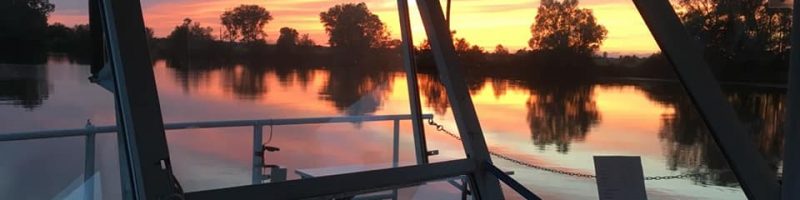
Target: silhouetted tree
[[461, 45], [392, 44], [190, 41], [79, 41], [306, 45], [499, 60], [354, 27], [22, 30], [58, 37], [189, 32], [471, 56], [287, 40], [500, 50], [305, 41], [245, 23], [149, 33], [741, 37], [561, 25], [654, 66], [75, 42]]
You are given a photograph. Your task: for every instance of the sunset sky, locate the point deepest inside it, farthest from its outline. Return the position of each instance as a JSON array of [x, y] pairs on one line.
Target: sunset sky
[[483, 22]]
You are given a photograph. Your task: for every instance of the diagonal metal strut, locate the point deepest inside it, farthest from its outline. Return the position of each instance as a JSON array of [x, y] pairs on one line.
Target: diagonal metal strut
[[752, 171], [450, 72]]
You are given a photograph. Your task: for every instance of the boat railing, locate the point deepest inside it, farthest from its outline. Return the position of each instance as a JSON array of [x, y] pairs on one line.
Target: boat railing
[[89, 131]]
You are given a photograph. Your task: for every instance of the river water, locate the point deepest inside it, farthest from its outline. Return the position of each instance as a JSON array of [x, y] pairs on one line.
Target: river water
[[556, 125]]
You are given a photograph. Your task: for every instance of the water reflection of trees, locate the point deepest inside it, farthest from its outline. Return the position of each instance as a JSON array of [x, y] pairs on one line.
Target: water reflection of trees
[[23, 85], [355, 86], [434, 93], [246, 81], [763, 115], [558, 113], [561, 113], [688, 144], [358, 86]]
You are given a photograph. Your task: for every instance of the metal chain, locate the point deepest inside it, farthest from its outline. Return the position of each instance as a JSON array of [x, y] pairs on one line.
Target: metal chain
[[441, 129]]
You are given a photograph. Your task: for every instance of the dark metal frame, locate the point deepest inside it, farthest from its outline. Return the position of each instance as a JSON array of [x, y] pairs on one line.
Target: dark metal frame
[[790, 189], [450, 73], [752, 171], [342, 185], [410, 66], [513, 184], [146, 157], [145, 164], [119, 38]]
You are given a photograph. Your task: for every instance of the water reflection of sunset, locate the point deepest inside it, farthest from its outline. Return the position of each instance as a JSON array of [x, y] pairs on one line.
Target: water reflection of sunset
[[556, 125], [483, 22], [629, 130]]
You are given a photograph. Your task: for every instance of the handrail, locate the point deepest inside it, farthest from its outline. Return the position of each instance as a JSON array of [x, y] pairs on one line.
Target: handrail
[[258, 176], [207, 124]]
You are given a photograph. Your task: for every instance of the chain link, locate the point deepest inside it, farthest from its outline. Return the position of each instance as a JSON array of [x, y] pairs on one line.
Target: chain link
[[441, 129]]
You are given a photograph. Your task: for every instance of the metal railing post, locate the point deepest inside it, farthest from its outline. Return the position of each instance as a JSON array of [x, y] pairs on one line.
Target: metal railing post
[[88, 165], [395, 150], [396, 144], [410, 66], [258, 160]]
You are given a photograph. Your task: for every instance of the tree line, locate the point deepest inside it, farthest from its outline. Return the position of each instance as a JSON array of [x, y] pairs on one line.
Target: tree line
[[741, 40]]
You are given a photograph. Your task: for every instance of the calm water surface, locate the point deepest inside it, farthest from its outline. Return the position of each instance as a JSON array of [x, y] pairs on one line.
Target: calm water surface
[[554, 125]]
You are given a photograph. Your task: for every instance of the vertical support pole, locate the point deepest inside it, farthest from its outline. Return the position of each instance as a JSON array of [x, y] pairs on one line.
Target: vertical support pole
[[125, 176], [752, 171], [396, 144], [396, 151], [258, 152], [410, 65], [136, 98], [449, 3], [88, 164], [464, 187], [98, 48], [791, 143], [486, 185], [96, 29]]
